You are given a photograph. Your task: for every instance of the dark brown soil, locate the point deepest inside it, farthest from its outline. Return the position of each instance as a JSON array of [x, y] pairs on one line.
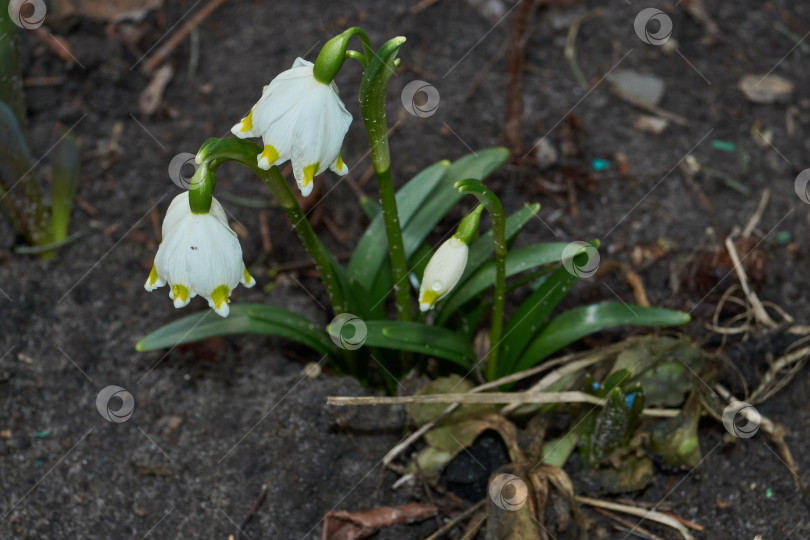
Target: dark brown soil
[[248, 415]]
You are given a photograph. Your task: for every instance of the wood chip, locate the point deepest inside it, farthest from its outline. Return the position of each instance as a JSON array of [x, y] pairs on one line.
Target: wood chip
[[765, 88], [152, 95]]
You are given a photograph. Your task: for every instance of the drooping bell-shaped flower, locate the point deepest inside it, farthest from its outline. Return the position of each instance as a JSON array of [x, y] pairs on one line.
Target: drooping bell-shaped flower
[[199, 254], [446, 266], [300, 119]]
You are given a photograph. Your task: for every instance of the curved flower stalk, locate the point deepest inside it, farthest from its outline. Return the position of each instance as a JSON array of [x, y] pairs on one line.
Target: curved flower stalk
[[445, 268], [495, 209], [300, 119], [199, 254]]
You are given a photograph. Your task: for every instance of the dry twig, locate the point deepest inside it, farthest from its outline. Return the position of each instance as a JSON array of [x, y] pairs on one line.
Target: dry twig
[[652, 515], [520, 398], [166, 49]]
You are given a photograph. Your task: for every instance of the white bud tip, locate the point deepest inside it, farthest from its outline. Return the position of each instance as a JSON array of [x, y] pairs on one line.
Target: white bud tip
[[264, 163]]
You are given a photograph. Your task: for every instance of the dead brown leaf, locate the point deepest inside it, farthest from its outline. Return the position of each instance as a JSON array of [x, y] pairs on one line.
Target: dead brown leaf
[[343, 525]]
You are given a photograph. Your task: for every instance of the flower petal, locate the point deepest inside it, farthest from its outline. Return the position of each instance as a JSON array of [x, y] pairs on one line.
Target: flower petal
[[247, 280], [199, 254], [443, 272], [153, 281], [219, 300], [338, 167], [180, 294], [301, 120]]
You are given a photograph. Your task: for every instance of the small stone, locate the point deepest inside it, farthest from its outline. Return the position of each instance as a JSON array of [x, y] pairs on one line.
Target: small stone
[[650, 124], [312, 370], [545, 154], [647, 89]]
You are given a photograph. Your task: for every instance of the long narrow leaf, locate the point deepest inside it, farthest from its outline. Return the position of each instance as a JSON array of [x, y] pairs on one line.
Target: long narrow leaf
[[422, 209], [517, 261], [419, 338], [372, 249], [531, 315], [24, 204], [580, 322], [293, 326], [64, 179], [243, 319]]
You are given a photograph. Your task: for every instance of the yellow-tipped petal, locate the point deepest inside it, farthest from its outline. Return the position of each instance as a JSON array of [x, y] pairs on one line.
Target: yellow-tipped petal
[[180, 294], [427, 299], [153, 281], [153, 275], [339, 167], [268, 156], [247, 123], [247, 279], [309, 175], [219, 299]]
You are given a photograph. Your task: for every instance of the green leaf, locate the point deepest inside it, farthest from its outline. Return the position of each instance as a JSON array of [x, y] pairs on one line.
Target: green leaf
[[65, 179], [357, 298], [557, 451], [419, 338], [580, 322], [370, 207], [422, 203], [531, 315], [243, 319], [444, 196], [418, 262], [663, 365], [372, 250], [23, 205], [676, 439], [517, 261], [610, 428]]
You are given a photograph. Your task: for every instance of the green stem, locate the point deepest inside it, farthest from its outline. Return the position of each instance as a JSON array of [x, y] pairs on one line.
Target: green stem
[[396, 247], [373, 91], [286, 199], [498, 217], [217, 151]]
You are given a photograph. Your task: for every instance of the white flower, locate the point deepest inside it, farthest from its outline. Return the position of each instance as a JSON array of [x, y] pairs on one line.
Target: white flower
[[301, 119], [443, 272], [199, 254]]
